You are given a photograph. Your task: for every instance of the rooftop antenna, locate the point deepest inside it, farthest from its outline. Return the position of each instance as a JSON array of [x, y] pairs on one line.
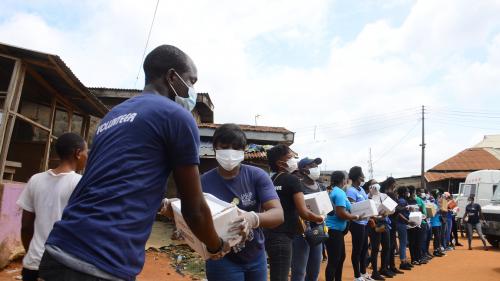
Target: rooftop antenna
[[256, 117], [370, 164]]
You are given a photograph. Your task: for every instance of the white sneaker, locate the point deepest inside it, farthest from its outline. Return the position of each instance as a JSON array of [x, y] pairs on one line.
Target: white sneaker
[[359, 279], [367, 277]]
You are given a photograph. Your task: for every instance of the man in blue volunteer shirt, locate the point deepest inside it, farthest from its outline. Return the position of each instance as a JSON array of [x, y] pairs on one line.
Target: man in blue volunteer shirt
[[109, 216]]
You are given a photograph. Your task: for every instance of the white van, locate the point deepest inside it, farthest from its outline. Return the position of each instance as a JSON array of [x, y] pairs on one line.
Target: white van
[[482, 184]]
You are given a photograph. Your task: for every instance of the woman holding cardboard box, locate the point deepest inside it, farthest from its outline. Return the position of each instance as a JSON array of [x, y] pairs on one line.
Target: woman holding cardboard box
[[358, 229], [279, 240], [402, 226], [251, 190], [336, 222]]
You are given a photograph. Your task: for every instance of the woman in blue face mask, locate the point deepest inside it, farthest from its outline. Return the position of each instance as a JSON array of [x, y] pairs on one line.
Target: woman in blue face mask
[[253, 192]]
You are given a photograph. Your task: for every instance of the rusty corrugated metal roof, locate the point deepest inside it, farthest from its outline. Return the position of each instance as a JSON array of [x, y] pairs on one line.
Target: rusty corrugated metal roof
[[433, 176], [471, 159], [264, 129]]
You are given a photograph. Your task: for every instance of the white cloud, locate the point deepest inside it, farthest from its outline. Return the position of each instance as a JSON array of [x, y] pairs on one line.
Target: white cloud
[[425, 60]]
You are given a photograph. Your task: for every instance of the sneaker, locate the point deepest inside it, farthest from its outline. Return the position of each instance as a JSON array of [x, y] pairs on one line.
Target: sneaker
[[423, 261], [377, 277], [359, 279], [458, 244], [415, 263], [387, 273], [396, 271], [367, 277], [405, 266], [438, 254]]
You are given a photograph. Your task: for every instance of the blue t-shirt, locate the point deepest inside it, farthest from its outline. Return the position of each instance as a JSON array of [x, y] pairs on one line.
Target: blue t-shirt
[[110, 214], [435, 220], [358, 195], [252, 187], [338, 198]]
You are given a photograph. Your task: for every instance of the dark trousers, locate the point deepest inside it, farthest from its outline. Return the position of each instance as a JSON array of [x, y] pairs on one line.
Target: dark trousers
[[359, 248], [415, 243], [335, 248], [443, 234], [375, 239], [436, 233], [393, 245], [386, 249], [52, 270], [279, 251], [454, 231], [29, 275]]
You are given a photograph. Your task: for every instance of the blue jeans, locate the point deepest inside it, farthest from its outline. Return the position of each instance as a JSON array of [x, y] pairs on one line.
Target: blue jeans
[[403, 240], [306, 260], [227, 270], [449, 224]]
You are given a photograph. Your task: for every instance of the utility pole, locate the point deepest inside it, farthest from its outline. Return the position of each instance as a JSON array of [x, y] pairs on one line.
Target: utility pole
[[370, 164], [422, 171], [315, 132], [256, 116]]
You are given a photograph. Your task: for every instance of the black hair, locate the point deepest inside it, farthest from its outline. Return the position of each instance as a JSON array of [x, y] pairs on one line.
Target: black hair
[[230, 134], [355, 173], [275, 153], [67, 144], [411, 189], [435, 193], [337, 178], [386, 184], [162, 59], [402, 191], [367, 185]]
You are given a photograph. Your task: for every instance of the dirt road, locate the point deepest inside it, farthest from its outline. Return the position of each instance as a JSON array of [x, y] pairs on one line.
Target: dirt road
[[460, 264]]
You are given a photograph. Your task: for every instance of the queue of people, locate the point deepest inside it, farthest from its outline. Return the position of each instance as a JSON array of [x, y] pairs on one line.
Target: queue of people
[[95, 227]]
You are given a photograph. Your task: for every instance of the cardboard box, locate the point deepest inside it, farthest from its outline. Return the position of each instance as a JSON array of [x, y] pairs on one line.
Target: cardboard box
[[366, 208], [222, 214], [431, 210], [443, 205], [319, 203], [388, 206], [416, 217]]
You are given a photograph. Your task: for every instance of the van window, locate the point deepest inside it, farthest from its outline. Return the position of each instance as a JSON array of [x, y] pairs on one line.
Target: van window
[[469, 189]]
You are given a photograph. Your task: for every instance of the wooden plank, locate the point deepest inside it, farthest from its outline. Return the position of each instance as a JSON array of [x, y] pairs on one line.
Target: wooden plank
[[11, 104], [34, 123], [39, 63], [46, 154], [13, 164], [49, 88], [72, 83]]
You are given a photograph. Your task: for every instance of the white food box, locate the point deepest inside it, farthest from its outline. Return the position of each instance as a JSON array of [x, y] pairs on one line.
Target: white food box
[[416, 217], [222, 214], [387, 206], [319, 203], [366, 208]]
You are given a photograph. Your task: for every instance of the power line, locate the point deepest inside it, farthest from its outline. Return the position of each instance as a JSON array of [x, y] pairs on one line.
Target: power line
[[385, 153], [147, 42]]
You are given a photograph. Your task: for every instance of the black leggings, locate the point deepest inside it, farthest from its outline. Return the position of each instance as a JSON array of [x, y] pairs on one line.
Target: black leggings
[[393, 246], [359, 248], [376, 240], [335, 248], [436, 232], [454, 231], [386, 249], [29, 275], [415, 241]]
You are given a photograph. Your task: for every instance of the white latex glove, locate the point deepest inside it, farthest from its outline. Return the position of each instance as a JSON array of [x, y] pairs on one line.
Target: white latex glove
[[251, 217], [166, 208]]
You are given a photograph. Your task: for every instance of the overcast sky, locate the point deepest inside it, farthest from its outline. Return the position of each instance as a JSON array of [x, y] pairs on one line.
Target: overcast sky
[[346, 76]]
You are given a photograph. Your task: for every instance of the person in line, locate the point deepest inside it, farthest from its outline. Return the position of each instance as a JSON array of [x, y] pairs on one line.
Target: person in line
[[415, 234], [402, 225], [306, 259], [448, 216], [473, 217], [109, 216], [278, 240], [425, 231], [388, 186], [436, 225], [379, 235], [454, 229], [336, 222], [44, 198], [359, 228], [253, 192]]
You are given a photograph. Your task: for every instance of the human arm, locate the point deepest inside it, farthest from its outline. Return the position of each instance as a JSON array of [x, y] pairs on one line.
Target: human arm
[[272, 215], [194, 208], [343, 214], [27, 228]]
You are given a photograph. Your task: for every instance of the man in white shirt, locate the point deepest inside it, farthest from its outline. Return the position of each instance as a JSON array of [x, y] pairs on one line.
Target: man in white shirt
[[45, 197]]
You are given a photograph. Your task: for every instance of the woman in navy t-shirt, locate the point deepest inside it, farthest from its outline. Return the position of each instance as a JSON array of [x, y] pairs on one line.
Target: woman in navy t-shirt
[[253, 192]]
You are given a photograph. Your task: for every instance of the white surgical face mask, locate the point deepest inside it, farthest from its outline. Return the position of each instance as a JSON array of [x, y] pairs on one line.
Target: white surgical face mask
[[292, 164], [229, 158], [314, 173], [189, 102]]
